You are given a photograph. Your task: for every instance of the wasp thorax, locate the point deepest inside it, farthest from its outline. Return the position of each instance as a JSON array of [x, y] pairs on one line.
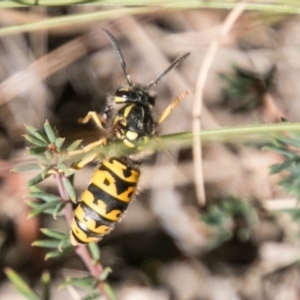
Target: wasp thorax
[[132, 123]]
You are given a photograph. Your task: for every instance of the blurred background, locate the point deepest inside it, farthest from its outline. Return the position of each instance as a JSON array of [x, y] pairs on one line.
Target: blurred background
[[243, 244]]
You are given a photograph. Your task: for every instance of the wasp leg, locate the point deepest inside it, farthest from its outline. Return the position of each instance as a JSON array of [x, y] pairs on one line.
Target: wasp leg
[[171, 106], [93, 145], [79, 165], [92, 115], [89, 158]]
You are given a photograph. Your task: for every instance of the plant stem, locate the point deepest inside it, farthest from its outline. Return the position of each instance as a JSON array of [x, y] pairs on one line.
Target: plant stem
[[84, 254], [81, 250], [145, 7], [276, 6], [237, 134], [259, 129]]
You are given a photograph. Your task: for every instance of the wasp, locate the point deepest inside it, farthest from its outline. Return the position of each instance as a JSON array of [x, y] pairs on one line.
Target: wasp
[[127, 119]]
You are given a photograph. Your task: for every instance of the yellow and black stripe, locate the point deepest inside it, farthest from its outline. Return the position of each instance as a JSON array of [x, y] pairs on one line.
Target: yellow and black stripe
[[102, 204]]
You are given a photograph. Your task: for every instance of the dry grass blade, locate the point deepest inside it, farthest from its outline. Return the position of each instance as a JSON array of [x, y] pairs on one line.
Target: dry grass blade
[[228, 23]]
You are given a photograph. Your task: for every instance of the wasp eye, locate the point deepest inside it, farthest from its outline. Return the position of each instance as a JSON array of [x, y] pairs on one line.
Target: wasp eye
[[151, 100], [122, 95]]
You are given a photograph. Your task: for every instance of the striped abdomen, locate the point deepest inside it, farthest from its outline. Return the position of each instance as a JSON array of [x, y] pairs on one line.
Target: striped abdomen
[[104, 201]]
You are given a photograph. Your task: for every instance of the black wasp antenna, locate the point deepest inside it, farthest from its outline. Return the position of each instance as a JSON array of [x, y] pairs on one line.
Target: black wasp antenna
[[163, 74], [120, 55], [123, 64]]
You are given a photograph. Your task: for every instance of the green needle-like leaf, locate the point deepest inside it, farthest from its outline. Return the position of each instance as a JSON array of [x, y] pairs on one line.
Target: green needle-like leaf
[[46, 243], [281, 150], [20, 285], [59, 253], [58, 209], [45, 281], [44, 196], [109, 292], [37, 179], [36, 150], [59, 142], [53, 254], [280, 167], [27, 167], [85, 283], [54, 233], [95, 252], [40, 158], [33, 204], [36, 133], [45, 172], [50, 132], [35, 141], [38, 208], [63, 168], [34, 188], [69, 188], [65, 244], [50, 212], [105, 273], [74, 145]]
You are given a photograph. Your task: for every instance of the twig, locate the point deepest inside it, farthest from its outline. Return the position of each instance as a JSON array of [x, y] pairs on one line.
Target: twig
[[95, 269], [198, 99]]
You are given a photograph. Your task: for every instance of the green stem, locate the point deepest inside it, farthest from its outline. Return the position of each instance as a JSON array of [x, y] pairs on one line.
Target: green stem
[[142, 8], [276, 6], [231, 134], [246, 131], [70, 20], [237, 134]]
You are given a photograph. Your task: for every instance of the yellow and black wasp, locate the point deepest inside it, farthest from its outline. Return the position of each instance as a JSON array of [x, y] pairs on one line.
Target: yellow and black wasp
[[129, 119]]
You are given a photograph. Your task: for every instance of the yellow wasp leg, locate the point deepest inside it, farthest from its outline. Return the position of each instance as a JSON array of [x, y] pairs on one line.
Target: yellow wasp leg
[[171, 106], [90, 157], [92, 115], [93, 145], [84, 162]]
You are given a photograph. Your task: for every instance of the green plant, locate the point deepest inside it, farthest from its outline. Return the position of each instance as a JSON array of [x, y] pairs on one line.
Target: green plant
[[245, 90], [228, 217], [53, 160], [288, 146]]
